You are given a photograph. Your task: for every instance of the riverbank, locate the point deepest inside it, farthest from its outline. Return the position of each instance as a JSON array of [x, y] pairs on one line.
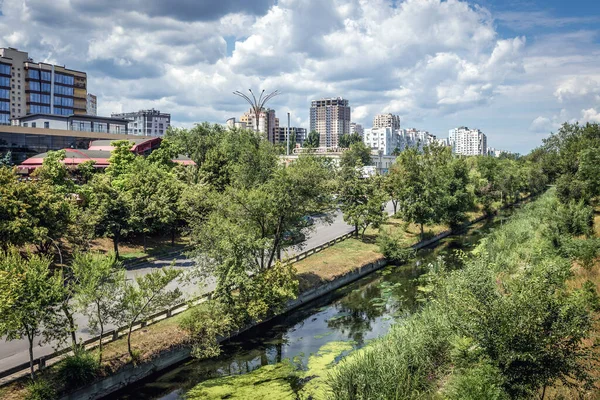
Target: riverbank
[[160, 340]]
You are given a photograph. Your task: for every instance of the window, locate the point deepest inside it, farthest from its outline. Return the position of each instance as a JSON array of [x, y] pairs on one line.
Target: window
[[81, 126], [34, 86], [47, 125], [5, 69], [46, 76], [45, 87], [25, 124], [4, 81], [66, 79], [4, 106], [33, 125]]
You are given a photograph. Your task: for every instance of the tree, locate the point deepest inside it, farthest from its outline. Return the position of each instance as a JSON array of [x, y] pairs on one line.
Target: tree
[[392, 185], [121, 158], [109, 209], [54, 172], [151, 193], [34, 299], [458, 199], [6, 159], [100, 282], [358, 154], [31, 212], [421, 198], [245, 232], [147, 296], [361, 200], [313, 140], [346, 140]]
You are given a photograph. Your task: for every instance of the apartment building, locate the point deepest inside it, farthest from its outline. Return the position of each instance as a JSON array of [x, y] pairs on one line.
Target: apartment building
[[383, 140], [386, 121], [92, 104], [29, 87], [414, 138], [357, 128], [299, 133], [467, 142], [330, 118], [146, 122], [268, 123]]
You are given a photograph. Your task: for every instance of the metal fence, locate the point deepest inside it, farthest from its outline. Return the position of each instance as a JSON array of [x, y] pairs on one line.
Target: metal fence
[[112, 335]]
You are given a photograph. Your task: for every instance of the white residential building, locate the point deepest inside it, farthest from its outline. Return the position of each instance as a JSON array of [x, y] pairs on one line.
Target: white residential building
[[467, 142], [91, 104], [414, 138], [146, 122], [386, 121], [381, 139]]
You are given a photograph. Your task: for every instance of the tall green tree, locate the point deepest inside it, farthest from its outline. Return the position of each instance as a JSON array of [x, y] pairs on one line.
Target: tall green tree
[[358, 154], [347, 139], [146, 296], [362, 201], [34, 300], [108, 207], [121, 159], [100, 284], [313, 140]]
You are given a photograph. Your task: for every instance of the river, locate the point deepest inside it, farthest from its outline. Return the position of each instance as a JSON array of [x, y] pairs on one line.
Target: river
[[351, 317]]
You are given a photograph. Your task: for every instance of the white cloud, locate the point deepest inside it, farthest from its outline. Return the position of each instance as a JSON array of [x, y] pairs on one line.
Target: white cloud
[[441, 63], [590, 115]]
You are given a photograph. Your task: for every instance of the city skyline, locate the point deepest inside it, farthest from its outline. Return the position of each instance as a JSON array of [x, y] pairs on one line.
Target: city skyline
[[514, 69]]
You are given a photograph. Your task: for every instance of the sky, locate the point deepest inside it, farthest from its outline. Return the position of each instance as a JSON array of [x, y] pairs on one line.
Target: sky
[[516, 69]]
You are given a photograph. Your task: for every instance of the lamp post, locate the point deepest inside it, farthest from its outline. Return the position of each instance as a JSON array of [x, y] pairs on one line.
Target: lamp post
[[256, 105]]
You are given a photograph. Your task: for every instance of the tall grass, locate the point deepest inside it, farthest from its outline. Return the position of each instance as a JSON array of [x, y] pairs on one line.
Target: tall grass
[[523, 328]]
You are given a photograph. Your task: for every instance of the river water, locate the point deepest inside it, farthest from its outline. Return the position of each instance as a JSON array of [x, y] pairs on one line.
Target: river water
[[351, 316]]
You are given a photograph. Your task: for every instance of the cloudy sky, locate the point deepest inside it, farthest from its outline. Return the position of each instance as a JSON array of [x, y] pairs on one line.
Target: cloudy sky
[[515, 69]]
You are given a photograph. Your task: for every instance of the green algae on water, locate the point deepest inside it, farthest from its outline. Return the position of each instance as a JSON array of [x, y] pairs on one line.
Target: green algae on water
[[281, 381]]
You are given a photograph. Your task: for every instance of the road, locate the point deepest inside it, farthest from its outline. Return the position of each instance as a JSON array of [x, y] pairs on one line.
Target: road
[[16, 352]]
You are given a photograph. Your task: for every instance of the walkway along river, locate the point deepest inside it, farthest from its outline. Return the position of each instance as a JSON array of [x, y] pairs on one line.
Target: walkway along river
[[342, 321]]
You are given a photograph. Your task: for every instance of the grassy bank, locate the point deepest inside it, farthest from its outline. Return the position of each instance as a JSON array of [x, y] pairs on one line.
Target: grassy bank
[[508, 325]]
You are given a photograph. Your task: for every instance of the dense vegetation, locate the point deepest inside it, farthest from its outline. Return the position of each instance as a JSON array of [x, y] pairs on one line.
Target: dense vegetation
[[239, 205], [507, 324]]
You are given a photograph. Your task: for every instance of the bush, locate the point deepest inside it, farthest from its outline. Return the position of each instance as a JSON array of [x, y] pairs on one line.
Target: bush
[[78, 369], [392, 249], [585, 251], [482, 382], [205, 323], [41, 389]]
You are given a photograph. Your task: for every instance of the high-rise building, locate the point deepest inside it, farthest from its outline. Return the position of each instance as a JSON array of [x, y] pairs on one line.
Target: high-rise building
[[268, 123], [330, 118], [146, 122], [467, 142], [386, 121], [357, 128], [27, 87], [92, 104], [298, 133]]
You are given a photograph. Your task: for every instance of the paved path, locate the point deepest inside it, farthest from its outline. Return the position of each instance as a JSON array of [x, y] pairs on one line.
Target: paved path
[[16, 352]]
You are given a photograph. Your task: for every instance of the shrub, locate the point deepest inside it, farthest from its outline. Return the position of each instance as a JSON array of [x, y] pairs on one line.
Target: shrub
[[78, 369], [391, 248], [41, 389], [481, 382], [205, 323], [583, 250]]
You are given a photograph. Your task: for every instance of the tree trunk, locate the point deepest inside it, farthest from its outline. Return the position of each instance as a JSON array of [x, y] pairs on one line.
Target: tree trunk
[[395, 204], [129, 341], [422, 232], [30, 338], [544, 392], [116, 245], [69, 316], [356, 229], [101, 333]]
